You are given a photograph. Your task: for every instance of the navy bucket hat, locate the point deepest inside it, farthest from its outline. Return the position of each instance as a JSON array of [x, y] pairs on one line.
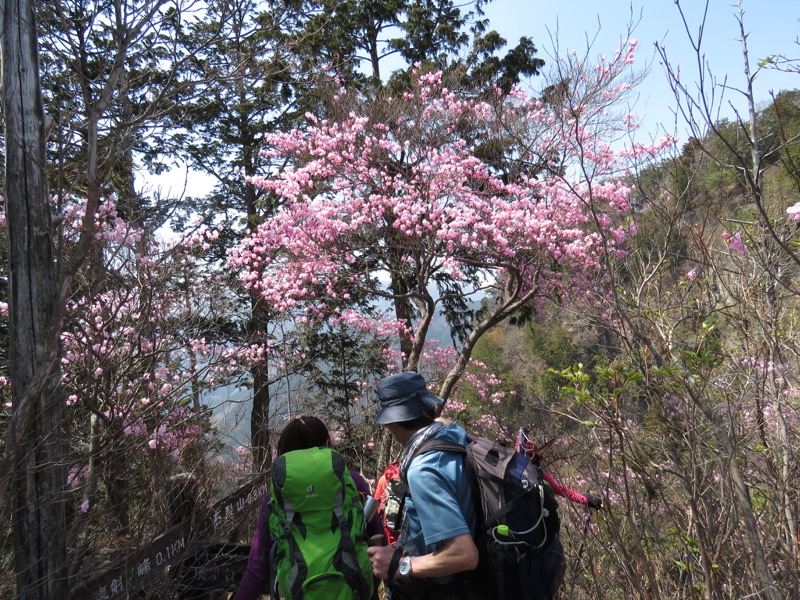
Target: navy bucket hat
[[403, 397]]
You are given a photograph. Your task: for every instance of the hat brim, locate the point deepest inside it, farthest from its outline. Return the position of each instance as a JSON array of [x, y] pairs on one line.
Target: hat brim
[[400, 412], [414, 407], [431, 400]]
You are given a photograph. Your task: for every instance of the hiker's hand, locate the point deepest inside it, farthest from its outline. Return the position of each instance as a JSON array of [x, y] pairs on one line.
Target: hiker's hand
[[595, 503], [381, 557]]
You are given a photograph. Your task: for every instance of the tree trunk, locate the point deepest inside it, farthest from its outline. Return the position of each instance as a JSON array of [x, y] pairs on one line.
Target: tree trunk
[[259, 417], [39, 476], [259, 321]]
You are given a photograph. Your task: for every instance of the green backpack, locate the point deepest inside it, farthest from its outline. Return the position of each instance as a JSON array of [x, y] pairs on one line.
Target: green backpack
[[316, 520]]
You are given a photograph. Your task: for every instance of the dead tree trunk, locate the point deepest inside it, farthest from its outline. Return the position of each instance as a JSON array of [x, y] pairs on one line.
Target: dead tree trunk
[[37, 436]]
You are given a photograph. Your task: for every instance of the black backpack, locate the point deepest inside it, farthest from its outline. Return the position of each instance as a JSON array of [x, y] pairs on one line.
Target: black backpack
[[517, 519]]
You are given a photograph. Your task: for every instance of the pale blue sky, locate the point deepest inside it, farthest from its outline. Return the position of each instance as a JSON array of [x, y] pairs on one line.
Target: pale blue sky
[[773, 27]]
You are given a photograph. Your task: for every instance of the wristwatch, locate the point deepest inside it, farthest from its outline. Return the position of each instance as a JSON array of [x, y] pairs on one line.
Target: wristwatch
[[404, 568]]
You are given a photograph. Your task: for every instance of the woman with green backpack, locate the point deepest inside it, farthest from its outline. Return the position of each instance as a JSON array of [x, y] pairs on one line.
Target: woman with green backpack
[[296, 550]]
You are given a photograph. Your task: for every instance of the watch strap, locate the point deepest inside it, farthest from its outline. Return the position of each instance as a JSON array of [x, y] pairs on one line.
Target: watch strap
[[393, 564]]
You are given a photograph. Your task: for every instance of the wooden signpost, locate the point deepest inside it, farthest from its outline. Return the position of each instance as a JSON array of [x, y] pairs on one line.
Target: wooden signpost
[[195, 540]]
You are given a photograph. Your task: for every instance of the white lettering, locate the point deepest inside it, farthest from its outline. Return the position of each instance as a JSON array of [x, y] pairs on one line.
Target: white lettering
[[143, 567], [116, 586], [176, 548]]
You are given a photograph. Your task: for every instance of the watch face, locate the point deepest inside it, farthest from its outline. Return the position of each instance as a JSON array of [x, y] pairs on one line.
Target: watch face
[[405, 566]]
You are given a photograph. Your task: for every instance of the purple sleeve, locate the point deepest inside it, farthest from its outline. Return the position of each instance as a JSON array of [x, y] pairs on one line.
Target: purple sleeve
[[374, 527], [256, 577]]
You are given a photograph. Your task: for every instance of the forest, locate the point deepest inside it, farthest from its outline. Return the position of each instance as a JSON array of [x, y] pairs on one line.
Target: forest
[[392, 186]]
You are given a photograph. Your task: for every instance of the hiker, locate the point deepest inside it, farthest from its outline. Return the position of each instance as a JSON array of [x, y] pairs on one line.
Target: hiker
[[388, 491], [529, 448], [554, 557], [435, 548], [299, 434], [390, 502]]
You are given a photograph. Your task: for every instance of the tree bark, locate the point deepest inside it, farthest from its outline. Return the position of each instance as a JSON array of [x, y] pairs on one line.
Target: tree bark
[[259, 321], [38, 440]]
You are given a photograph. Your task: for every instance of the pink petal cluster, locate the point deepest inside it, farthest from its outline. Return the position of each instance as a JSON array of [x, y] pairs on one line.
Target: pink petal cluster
[[735, 242], [364, 198]]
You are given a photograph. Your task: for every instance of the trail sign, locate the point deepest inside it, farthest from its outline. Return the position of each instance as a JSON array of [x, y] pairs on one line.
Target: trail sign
[[194, 537]]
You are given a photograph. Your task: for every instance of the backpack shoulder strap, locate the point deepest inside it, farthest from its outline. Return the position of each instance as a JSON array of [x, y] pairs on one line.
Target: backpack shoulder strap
[[347, 562], [441, 445], [433, 445]]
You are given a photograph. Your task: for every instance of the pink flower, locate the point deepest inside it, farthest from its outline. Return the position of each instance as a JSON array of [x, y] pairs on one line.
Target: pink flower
[[736, 244], [794, 212], [692, 275]]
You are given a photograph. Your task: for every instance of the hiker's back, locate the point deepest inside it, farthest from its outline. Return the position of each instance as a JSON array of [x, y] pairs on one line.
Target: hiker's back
[[440, 518], [317, 525], [429, 477]]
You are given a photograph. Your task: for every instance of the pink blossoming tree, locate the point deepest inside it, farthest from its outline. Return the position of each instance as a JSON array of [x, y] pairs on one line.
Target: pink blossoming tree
[[444, 199], [143, 350]]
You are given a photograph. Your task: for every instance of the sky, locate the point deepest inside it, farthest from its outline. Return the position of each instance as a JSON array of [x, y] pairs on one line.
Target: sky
[[773, 28]]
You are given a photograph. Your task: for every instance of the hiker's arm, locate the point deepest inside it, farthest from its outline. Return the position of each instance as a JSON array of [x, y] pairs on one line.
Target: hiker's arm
[[456, 555], [375, 526], [564, 491], [256, 576]]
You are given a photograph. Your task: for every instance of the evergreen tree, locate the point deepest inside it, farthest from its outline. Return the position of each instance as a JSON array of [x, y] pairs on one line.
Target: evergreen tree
[[271, 63]]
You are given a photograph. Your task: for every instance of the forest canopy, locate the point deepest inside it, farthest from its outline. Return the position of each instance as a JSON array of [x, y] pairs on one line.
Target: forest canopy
[[392, 187]]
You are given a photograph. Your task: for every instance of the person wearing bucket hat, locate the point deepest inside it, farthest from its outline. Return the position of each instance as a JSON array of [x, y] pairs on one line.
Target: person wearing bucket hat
[[435, 549], [405, 396]]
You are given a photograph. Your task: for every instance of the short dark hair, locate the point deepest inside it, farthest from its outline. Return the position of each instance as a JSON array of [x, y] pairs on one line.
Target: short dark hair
[[302, 433]]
